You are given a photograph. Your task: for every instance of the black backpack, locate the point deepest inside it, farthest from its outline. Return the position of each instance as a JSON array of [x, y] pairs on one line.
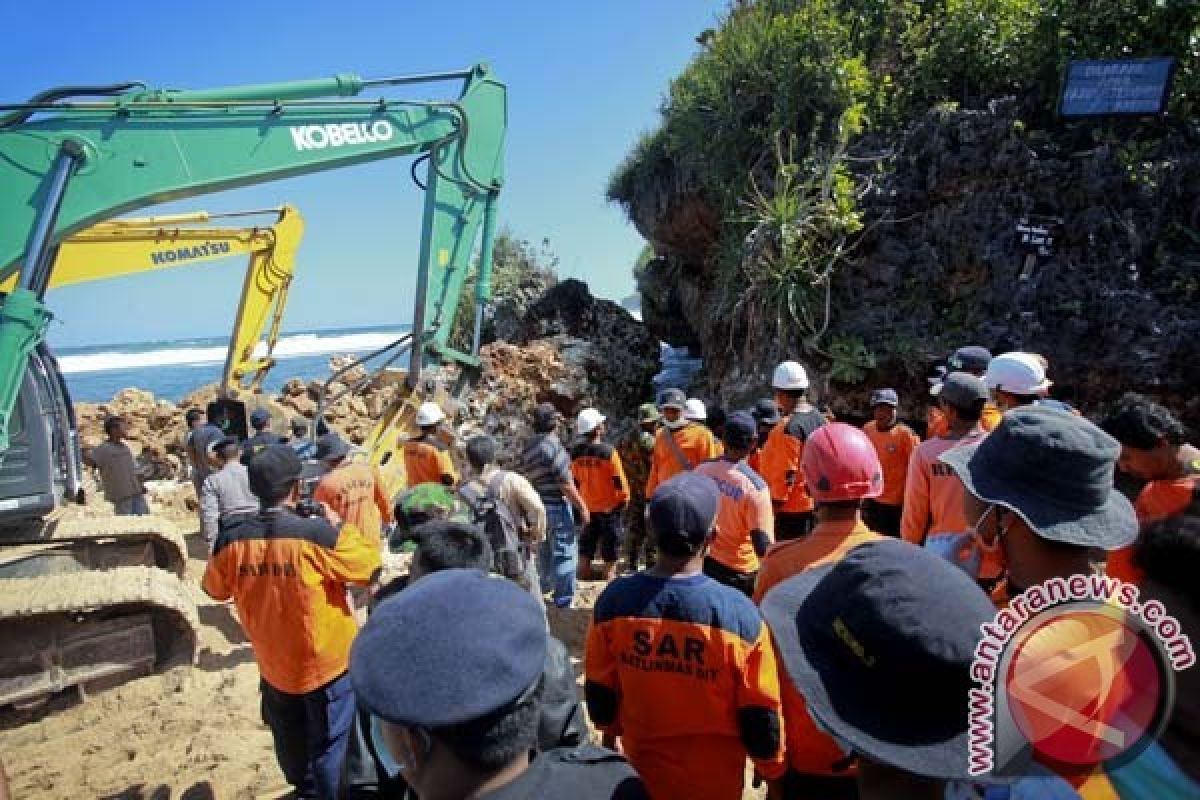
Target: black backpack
[[496, 520]]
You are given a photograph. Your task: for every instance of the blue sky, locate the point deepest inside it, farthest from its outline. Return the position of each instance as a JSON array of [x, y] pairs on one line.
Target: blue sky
[[585, 79]]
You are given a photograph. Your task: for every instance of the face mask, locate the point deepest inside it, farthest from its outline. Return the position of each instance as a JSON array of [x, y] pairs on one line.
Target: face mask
[[677, 424], [393, 766]]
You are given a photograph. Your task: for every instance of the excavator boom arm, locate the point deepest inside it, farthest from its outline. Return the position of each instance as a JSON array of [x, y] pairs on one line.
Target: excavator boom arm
[[133, 246], [67, 165]]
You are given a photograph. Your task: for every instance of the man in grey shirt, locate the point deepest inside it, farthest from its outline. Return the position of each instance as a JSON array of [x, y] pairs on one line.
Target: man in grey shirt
[[225, 492], [118, 472]]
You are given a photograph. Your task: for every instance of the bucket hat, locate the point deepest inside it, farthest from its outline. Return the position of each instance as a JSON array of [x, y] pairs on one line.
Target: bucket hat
[[1055, 470], [880, 645]]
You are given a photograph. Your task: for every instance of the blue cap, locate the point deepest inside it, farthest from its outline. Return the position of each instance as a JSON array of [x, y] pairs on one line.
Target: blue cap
[[881, 644], [740, 430], [766, 412], [259, 418], [970, 359], [885, 397], [452, 647], [684, 507]]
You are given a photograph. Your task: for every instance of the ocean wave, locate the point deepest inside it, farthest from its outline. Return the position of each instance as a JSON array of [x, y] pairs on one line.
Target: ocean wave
[[295, 345]]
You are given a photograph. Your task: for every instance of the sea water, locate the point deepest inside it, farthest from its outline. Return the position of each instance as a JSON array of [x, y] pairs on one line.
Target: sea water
[[172, 369]]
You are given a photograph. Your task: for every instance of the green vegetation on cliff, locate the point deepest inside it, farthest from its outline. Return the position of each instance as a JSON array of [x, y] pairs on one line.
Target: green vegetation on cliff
[[818, 147], [516, 265]]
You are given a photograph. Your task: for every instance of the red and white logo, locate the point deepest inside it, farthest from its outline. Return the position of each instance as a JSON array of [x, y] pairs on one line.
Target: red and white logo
[[1074, 673]]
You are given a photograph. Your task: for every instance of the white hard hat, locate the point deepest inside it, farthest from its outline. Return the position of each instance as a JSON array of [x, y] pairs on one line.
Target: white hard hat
[[588, 420], [430, 414], [789, 376], [694, 409], [1017, 373]]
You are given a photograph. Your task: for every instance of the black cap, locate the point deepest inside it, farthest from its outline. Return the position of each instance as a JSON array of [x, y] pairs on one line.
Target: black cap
[[273, 471], [545, 417], [453, 647], [963, 390], [766, 411], [881, 645], [740, 430], [331, 446]]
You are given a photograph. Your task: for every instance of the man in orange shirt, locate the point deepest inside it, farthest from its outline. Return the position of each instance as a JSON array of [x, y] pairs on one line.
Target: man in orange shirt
[[1153, 449], [894, 443], [680, 443], [842, 470], [681, 667], [779, 460], [932, 494], [598, 473], [426, 457], [745, 523], [288, 575], [351, 489], [766, 414]]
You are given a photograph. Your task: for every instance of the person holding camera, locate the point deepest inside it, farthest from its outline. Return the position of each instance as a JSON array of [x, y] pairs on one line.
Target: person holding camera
[[287, 574]]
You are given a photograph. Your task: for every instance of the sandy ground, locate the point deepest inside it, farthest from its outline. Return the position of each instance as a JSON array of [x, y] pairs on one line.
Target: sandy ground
[[186, 734]]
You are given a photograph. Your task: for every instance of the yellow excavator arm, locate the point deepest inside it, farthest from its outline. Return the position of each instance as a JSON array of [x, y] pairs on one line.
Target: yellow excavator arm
[[133, 246]]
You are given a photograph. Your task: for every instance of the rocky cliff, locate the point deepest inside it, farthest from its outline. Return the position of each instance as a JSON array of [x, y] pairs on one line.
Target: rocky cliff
[[940, 263]]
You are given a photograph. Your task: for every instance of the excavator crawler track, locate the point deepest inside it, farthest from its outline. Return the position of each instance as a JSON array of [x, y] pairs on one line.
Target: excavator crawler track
[[95, 543], [91, 630]]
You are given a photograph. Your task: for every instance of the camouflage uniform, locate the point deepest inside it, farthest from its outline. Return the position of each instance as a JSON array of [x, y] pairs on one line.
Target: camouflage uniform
[[636, 450]]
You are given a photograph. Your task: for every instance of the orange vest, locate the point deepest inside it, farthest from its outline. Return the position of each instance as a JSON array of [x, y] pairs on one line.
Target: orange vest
[[780, 461], [600, 476], [427, 460], [287, 576], [810, 750], [695, 443], [895, 447]]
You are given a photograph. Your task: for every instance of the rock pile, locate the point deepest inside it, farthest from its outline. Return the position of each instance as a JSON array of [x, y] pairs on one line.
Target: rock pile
[[569, 349]]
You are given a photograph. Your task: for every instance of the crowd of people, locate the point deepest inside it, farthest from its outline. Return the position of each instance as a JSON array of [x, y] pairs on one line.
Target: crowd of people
[[807, 616]]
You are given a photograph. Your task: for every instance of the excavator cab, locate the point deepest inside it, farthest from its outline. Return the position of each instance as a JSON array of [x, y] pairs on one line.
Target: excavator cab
[[42, 468]]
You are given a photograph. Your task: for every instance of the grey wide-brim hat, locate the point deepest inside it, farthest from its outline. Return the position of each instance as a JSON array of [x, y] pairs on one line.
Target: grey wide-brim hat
[[1055, 470]]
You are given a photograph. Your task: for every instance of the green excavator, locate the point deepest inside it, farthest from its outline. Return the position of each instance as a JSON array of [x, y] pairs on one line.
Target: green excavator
[[90, 601]]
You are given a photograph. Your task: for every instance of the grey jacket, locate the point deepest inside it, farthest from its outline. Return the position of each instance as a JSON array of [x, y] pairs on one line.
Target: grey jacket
[[224, 492]]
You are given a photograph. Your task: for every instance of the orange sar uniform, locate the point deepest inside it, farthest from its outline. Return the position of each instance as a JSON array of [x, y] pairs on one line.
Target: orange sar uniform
[[600, 477], [682, 668], [745, 523], [810, 751], [695, 443], [894, 447], [1158, 500], [287, 575], [779, 463], [354, 492], [933, 498], [427, 460]]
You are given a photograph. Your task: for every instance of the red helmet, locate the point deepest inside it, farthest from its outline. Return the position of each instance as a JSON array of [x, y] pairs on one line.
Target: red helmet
[[840, 463]]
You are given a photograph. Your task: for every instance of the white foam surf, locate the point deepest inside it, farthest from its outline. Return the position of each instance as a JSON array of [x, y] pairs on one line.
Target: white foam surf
[[301, 344]]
